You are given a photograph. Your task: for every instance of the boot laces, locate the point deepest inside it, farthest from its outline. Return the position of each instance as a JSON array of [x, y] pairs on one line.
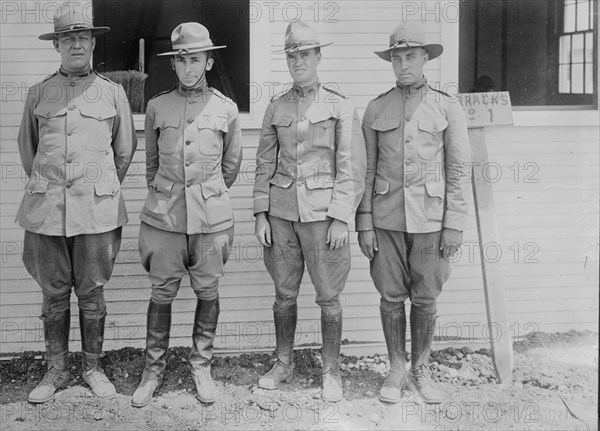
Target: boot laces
[[395, 376], [329, 380], [53, 377], [96, 377]]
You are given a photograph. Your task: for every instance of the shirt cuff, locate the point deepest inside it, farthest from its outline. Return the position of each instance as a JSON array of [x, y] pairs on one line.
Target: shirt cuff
[[261, 205], [455, 220], [364, 222]]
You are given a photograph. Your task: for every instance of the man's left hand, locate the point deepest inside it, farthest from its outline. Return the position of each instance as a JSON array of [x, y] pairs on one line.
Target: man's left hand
[[450, 242], [337, 234]]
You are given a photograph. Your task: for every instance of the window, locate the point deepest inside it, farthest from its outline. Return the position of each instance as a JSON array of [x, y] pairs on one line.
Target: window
[[576, 48], [153, 21], [540, 51]]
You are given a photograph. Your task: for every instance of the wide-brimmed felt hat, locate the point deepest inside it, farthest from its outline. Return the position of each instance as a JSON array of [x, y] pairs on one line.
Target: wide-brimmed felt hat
[[190, 37], [72, 17], [300, 36], [410, 35]]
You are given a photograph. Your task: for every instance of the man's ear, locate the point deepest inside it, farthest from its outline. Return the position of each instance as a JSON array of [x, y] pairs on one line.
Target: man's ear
[[209, 63], [425, 55], [318, 58], [93, 42], [55, 43], [172, 63]]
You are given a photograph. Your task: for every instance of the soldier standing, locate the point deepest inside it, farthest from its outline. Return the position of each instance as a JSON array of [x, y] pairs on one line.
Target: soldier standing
[[414, 209], [76, 142], [193, 155], [309, 180]]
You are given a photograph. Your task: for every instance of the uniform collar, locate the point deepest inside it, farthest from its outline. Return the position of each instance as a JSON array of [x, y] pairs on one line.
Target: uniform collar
[[196, 91], [305, 91], [66, 74], [413, 88]]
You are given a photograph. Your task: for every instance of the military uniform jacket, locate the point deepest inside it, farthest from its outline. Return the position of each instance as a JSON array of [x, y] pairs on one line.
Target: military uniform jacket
[[193, 156], [418, 156], [76, 142], [311, 158]]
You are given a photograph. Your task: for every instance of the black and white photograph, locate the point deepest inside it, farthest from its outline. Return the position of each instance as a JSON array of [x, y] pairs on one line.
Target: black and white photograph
[[299, 215]]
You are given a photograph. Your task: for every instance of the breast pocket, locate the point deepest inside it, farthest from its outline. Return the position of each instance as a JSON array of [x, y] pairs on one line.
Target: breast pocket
[[51, 120], [210, 134], [168, 132], [95, 129], [431, 137], [322, 131], [283, 126]]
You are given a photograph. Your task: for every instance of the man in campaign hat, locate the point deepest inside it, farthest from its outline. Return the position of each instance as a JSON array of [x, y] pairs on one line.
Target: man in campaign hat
[[414, 208], [76, 142], [193, 155], [309, 180]]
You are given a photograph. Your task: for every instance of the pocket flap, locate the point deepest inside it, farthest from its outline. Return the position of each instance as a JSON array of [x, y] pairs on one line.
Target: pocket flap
[[106, 189], [214, 187], [436, 189], [36, 186], [381, 187], [433, 125], [320, 117], [281, 180], [214, 122], [383, 124], [281, 121], [162, 185], [49, 111], [97, 111], [165, 121], [322, 181]]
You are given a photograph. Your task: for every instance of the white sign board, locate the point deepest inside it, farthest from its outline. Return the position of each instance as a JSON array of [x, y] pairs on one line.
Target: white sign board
[[487, 109]]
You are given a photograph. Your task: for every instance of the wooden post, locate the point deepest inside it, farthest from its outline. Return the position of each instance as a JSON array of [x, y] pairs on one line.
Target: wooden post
[[493, 277], [489, 109], [142, 65]]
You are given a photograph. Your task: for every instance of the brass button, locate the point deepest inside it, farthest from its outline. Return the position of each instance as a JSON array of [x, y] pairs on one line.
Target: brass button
[[69, 185], [189, 184], [408, 140], [72, 84], [69, 160], [190, 120], [71, 107], [187, 163], [69, 133], [405, 185], [188, 142]]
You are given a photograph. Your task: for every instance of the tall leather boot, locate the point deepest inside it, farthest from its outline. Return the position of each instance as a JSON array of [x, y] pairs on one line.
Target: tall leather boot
[[158, 327], [393, 320], [331, 330], [92, 337], [422, 328], [203, 335], [56, 335], [285, 331]]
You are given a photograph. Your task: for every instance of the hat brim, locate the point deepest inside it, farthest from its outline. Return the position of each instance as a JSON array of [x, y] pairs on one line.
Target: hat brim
[[191, 50], [302, 48], [95, 31], [433, 49]]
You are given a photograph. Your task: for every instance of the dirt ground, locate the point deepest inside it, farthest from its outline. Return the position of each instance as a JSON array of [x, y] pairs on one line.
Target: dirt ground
[[555, 387]]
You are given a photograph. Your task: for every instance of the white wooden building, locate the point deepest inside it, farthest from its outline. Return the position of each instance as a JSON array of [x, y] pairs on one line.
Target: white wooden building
[[545, 170]]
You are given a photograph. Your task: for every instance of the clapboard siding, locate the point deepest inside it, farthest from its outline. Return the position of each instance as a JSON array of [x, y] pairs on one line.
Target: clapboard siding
[[547, 221]]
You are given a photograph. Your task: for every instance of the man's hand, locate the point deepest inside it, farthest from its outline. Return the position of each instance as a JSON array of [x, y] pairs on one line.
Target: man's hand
[[450, 242], [367, 240], [262, 229], [337, 234]]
